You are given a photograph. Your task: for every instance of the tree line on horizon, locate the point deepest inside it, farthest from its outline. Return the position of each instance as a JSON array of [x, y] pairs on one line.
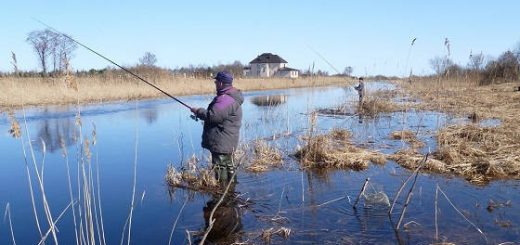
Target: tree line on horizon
[[54, 51]]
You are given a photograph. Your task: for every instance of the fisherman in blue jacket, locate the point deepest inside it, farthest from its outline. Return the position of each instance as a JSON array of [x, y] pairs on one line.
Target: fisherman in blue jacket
[[361, 90], [222, 121]]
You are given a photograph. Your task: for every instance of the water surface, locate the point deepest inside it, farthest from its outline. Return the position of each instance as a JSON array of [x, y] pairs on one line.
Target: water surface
[[303, 201]]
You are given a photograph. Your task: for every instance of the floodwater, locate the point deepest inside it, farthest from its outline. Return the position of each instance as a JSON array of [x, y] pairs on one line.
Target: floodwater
[[315, 205]]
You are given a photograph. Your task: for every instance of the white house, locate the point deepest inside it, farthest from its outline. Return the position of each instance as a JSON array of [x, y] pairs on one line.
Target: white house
[[269, 65]]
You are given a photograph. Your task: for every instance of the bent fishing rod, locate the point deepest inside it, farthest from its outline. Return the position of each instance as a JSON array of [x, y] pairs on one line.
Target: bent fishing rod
[[109, 60]]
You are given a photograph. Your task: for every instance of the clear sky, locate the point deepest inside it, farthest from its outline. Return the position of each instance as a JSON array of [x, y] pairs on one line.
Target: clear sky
[[372, 36]]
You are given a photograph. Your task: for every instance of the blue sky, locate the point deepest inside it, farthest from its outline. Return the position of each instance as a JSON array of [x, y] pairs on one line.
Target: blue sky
[[371, 36]]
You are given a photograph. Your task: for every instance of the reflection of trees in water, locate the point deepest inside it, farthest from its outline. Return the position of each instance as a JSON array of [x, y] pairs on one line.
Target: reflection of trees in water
[[150, 115], [269, 100], [55, 131]]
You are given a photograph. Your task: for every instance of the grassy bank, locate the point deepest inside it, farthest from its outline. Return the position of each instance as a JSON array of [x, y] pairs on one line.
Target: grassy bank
[[477, 152], [18, 91]]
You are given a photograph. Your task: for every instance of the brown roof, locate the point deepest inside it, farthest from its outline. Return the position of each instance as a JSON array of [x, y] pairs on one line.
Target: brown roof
[[268, 58]]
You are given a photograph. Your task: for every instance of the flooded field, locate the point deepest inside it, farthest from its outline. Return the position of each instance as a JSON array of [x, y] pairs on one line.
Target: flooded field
[[286, 204]]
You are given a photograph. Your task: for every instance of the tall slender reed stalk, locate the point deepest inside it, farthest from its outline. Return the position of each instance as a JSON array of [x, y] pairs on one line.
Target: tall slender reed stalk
[[67, 166], [46, 207], [177, 219], [7, 215]]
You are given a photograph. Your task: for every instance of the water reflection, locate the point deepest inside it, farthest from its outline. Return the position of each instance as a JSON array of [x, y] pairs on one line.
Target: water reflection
[[56, 134], [150, 115], [228, 218], [296, 194], [269, 100]]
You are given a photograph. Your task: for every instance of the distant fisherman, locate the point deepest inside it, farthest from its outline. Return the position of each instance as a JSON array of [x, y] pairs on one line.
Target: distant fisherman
[[361, 90], [222, 121]]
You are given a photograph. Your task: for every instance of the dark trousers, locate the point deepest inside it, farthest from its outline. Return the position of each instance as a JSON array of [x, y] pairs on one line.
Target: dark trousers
[[223, 166]]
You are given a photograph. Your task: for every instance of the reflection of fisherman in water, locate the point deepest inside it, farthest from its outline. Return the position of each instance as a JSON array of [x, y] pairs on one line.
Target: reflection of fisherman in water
[[227, 218]]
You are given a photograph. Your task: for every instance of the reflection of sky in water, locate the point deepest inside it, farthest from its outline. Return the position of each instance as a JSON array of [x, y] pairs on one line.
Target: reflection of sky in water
[[166, 134]]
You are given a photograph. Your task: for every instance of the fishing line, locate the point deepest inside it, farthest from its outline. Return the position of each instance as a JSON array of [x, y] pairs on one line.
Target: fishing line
[[114, 63]]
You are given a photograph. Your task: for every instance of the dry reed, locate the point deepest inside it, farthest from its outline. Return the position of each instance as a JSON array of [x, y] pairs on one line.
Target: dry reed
[[282, 232], [265, 157], [334, 150], [372, 106], [476, 152], [410, 159], [18, 91], [199, 179]]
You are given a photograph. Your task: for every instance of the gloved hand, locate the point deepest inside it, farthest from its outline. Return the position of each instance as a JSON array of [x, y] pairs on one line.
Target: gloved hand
[[194, 111]]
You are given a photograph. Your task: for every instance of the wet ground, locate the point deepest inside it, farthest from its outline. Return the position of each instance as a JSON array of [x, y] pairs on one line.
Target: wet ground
[[315, 205]]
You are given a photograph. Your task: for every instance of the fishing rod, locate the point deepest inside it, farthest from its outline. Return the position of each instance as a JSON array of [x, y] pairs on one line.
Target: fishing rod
[[109, 60], [326, 61]]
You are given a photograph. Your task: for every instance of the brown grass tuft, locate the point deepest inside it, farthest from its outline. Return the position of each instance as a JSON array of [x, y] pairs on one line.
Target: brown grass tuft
[[334, 150], [411, 160], [373, 106], [198, 180], [478, 154], [265, 157]]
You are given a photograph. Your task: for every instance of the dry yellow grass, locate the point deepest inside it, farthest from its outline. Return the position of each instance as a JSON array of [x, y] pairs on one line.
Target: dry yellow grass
[[334, 150], [196, 179], [373, 106], [18, 91], [265, 157], [474, 151]]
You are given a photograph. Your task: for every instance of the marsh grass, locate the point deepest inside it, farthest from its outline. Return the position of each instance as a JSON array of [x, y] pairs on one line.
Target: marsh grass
[[373, 106], [196, 179], [18, 91], [334, 150], [265, 157], [473, 151]]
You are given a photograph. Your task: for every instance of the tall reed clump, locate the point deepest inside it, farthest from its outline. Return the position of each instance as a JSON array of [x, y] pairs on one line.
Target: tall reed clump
[[334, 150], [83, 185]]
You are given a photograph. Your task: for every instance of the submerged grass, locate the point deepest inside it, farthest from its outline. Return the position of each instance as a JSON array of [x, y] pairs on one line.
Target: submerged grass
[[408, 137]]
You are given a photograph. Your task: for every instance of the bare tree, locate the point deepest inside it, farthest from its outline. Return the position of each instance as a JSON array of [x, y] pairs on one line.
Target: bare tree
[[65, 49], [348, 71], [41, 42], [476, 61], [148, 59], [440, 64]]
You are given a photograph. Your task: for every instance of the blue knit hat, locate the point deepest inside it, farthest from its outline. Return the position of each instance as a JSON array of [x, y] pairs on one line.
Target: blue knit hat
[[224, 77]]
